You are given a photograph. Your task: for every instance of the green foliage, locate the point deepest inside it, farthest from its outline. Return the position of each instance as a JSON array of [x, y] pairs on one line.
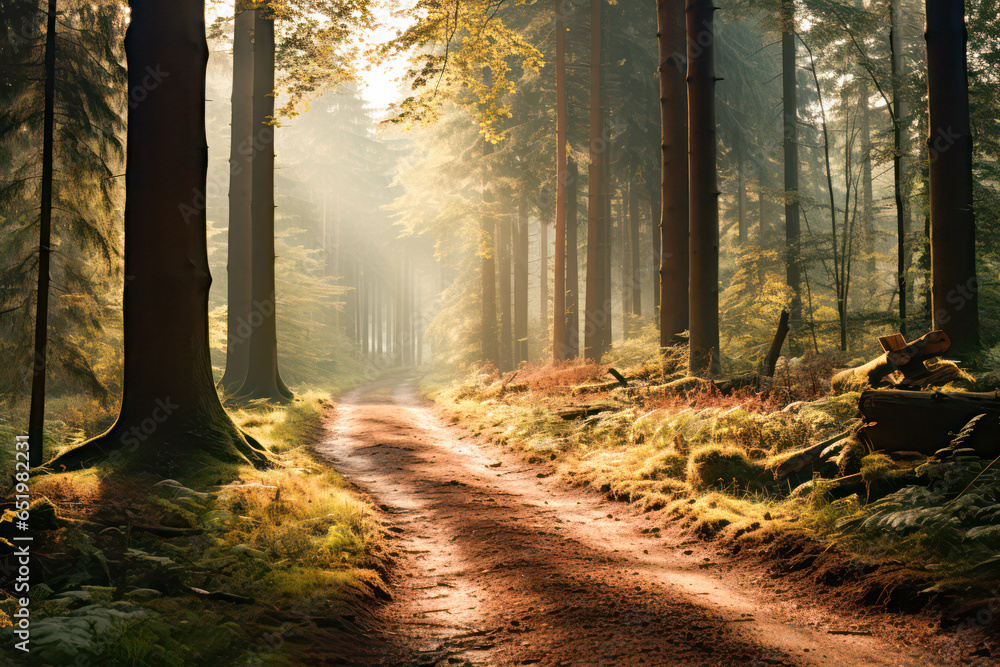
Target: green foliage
[[726, 468]]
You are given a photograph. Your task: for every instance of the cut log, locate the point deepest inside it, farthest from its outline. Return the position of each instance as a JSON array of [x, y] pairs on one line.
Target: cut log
[[927, 421], [909, 360], [745, 381], [771, 360]]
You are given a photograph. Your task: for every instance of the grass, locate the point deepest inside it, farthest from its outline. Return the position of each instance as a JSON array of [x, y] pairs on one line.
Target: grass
[[294, 539], [705, 462]]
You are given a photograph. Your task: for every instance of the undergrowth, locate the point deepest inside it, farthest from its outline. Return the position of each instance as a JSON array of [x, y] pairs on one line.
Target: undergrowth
[[706, 461], [261, 555]]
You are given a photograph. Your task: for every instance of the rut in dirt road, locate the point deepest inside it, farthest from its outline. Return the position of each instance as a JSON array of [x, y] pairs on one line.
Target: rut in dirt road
[[499, 564]]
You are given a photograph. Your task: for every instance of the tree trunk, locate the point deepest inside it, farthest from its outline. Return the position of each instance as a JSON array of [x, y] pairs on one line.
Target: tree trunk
[[543, 276], [171, 415], [521, 282], [504, 221], [263, 380], [673, 269], [791, 149], [953, 224], [655, 208], [379, 328], [487, 251], [704, 195], [559, 287], [605, 247], [899, 141], [741, 201], [240, 188], [625, 265], [867, 196], [36, 415], [572, 265], [635, 252], [595, 313]]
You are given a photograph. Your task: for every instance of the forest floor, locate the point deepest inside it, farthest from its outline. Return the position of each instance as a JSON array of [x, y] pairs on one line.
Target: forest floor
[[498, 561]]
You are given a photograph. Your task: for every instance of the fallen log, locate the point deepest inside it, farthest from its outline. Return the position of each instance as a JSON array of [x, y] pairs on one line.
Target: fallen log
[[580, 411], [908, 358], [811, 455], [925, 422]]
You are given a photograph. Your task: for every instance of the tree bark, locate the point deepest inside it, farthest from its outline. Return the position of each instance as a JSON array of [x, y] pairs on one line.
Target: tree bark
[[595, 313], [741, 201], [673, 269], [240, 194], [704, 195], [171, 416], [900, 141], [521, 282], [543, 276], [953, 225], [263, 380], [793, 251], [655, 208], [504, 221], [635, 251], [572, 267], [36, 415], [559, 259], [487, 251]]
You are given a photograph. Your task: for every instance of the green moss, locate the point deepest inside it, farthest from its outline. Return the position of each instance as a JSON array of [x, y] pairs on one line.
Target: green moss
[[726, 468]]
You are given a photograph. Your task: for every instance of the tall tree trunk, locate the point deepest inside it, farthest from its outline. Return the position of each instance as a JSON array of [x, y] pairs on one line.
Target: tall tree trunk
[[559, 258], [793, 252], [741, 200], [953, 225], [595, 312], [543, 276], [572, 264], [867, 194], [900, 149], [608, 189], [263, 380], [626, 260], [36, 415], [241, 152], [379, 328], [366, 300], [487, 250], [655, 209], [521, 282], [504, 221], [704, 194], [170, 413], [673, 268], [636, 254]]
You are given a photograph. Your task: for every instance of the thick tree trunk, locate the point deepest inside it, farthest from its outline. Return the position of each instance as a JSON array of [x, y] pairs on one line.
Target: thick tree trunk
[[605, 247], [953, 224], [673, 269], [793, 252], [928, 421], [171, 415], [704, 194], [572, 264], [240, 189], [263, 380], [521, 282], [559, 258], [36, 415], [635, 250], [504, 221]]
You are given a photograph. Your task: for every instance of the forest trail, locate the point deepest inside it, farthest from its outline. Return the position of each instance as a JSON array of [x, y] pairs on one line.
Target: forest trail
[[499, 564]]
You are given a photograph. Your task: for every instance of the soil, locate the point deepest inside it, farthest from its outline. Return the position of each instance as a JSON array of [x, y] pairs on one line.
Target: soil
[[498, 562]]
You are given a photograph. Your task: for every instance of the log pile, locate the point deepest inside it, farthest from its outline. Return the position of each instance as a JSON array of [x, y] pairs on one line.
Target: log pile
[[907, 358]]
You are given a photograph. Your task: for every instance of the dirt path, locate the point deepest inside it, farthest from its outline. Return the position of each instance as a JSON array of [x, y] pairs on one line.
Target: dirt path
[[499, 565]]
